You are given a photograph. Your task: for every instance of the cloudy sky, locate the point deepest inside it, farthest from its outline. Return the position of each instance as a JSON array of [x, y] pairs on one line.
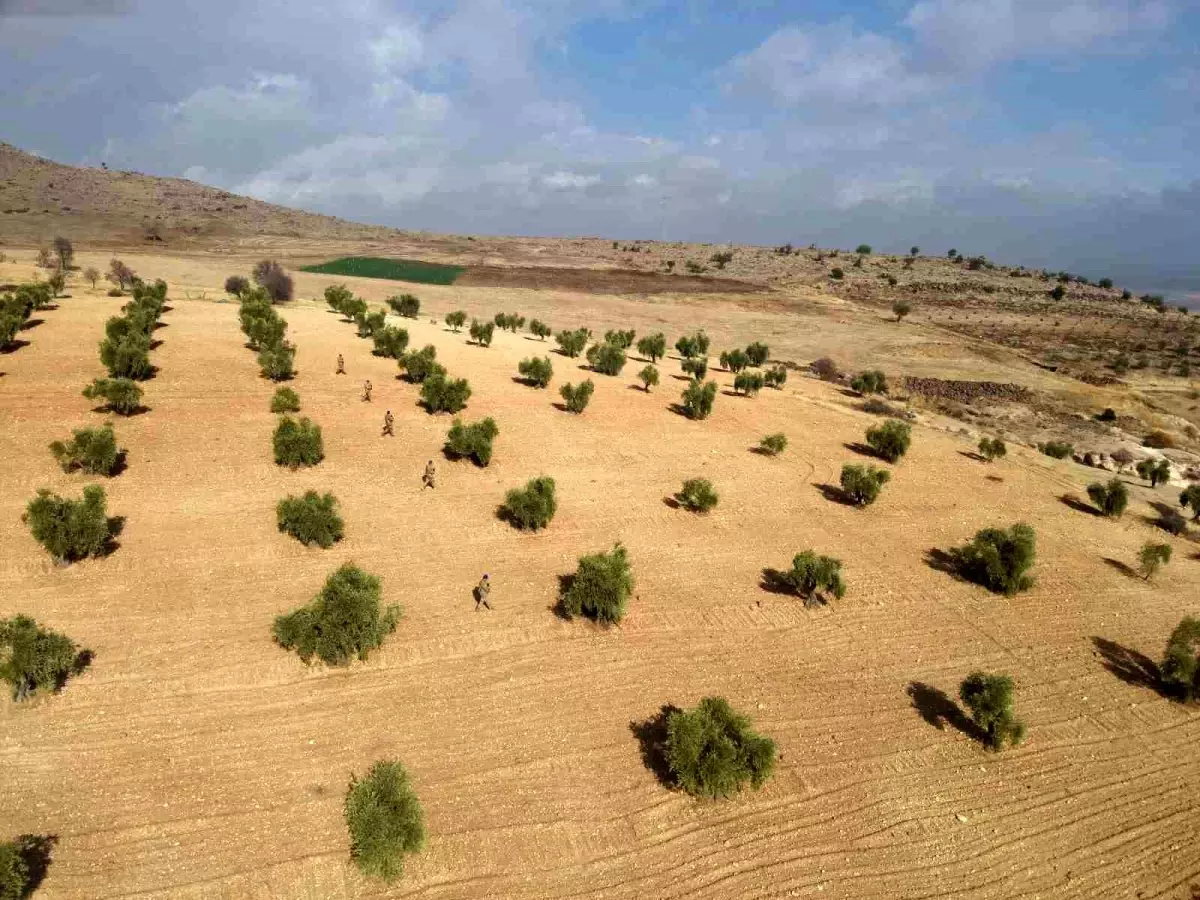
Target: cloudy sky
[[1049, 132]]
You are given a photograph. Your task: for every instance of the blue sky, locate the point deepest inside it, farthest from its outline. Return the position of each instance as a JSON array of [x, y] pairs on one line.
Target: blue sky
[[1048, 132]]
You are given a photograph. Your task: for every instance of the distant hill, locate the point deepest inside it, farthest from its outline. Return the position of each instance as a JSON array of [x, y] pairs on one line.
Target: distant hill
[[40, 199]]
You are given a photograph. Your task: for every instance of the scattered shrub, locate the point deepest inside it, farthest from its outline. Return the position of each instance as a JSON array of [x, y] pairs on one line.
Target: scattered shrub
[[863, 250], [456, 320], [812, 576], [536, 372], [837, 274], [263, 327], [1152, 557], [298, 443], [1190, 497], [571, 343], [1158, 440], [600, 587], [540, 329], [385, 821], [270, 276], [311, 519], [721, 259], [94, 450], [712, 751], [482, 332], [57, 281], [900, 308], [1109, 415], [748, 383], [391, 342], [622, 339], [1155, 471], [862, 484], [338, 297], [370, 323], [648, 377], [440, 393], [697, 367], [278, 362], [532, 507], [120, 275], [608, 359], [474, 440], [91, 274], [990, 700], [342, 622], [698, 399], [890, 440], [406, 306], [992, 449], [653, 346], [693, 345], [65, 253], [70, 529], [1057, 449], [758, 353], [577, 397], [826, 369], [999, 559], [1058, 292], [128, 357], [774, 444], [509, 322], [32, 659], [419, 365], [1181, 662], [873, 382], [1111, 499], [285, 400], [120, 395], [734, 360], [775, 377], [234, 284], [697, 495]]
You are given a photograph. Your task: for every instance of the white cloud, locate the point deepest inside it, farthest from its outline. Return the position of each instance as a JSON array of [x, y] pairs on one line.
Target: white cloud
[[569, 180], [643, 181], [399, 49]]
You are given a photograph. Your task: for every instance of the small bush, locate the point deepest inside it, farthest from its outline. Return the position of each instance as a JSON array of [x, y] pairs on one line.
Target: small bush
[[992, 449], [1058, 292], [1109, 415], [863, 250], [70, 529], [862, 484], [285, 400], [571, 343], [263, 328], [698, 399], [722, 259], [734, 360], [298, 443], [456, 320], [419, 365], [758, 353], [648, 377], [311, 519], [900, 308], [482, 332], [270, 275], [406, 306], [1158, 440], [536, 372], [1057, 449], [812, 576], [748, 383], [1190, 497], [539, 329], [532, 507], [509, 322], [391, 342], [577, 397], [32, 659], [122, 396], [693, 345], [990, 700], [342, 622], [278, 362], [608, 359], [600, 587], [237, 285], [1155, 471], [1152, 557], [94, 450], [337, 296], [697, 495], [370, 323], [837, 274], [1111, 499], [999, 559], [890, 440], [775, 377], [441, 393], [474, 440], [774, 444], [697, 367], [622, 339], [128, 357], [826, 369], [712, 751], [874, 382], [385, 821], [653, 346], [1181, 662]]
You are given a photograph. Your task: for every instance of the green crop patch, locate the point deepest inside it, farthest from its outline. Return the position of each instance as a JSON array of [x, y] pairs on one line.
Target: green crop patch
[[391, 269]]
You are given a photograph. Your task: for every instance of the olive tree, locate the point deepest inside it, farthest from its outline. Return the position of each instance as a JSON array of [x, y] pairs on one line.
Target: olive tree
[[406, 306], [758, 353], [122, 396], [890, 440], [70, 529], [297, 443], [600, 587], [992, 448], [440, 393], [696, 367], [482, 332], [712, 751], [571, 343], [1190, 497], [1152, 557], [536, 372], [999, 559], [385, 821], [539, 329], [390, 342], [345, 620], [456, 320], [773, 444], [693, 345], [990, 700], [748, 383], [311, 519], [698, 399], [649, 377], [1111, 498], [863, 484], [577, 396], [775, 377], [608, 359], [92, 450], [33, 658], [1155, 471], [1181, 662], [734, 360], [873, 382], [653, 346], [697, 495], [474, 440], [419, 365], [533, 506]]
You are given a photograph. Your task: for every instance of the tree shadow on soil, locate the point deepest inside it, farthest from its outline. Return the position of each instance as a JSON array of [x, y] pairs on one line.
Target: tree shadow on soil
[[835, 494], [972, 455], [773, 581], [651, 736], [862, 449], [1130, 666], [671, 502], [30, 324], [559, 606], [1120, 567], [1078, 505], [13, 346], [35, 851], [937, 708]]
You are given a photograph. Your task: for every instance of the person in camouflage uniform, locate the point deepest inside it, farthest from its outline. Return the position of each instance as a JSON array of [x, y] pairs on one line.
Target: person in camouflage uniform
[[341, 366], [367, 388], [428, 477], [388, 421], [481, 593]]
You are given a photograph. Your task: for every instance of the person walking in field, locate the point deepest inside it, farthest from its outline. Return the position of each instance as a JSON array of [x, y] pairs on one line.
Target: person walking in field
[[388, 421], [481, 593], [428, 477], [341, 366], [367, 390]]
